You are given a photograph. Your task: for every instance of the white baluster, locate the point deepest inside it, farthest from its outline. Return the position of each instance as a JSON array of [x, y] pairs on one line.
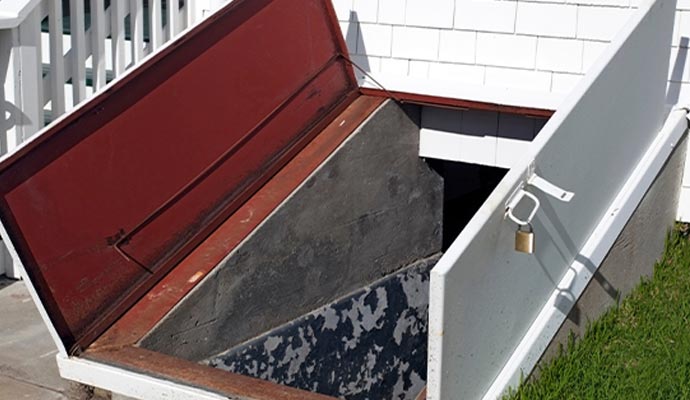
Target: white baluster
[[8, 53], [190, 13], [77, 33], [21, 64], [117, 26], [11, 118], [156, 11], [173, 14], [31, 84], [57, 61], [136, 22], [97, 33]]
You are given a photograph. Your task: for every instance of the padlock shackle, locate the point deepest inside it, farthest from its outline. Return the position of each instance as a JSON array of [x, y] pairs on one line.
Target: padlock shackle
[[519, 195]]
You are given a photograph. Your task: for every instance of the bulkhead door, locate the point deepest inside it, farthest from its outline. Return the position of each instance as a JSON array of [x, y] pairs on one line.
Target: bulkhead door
[[484, 294]]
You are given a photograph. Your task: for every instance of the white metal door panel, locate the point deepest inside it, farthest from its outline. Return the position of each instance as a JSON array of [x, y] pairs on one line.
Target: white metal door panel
[[484, 295]]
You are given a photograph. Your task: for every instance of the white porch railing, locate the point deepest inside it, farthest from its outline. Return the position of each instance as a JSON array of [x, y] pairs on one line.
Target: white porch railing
[[54, 54]]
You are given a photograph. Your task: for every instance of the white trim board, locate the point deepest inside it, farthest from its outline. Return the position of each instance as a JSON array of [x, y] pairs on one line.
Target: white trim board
[[493, 151], [683, 213], [128, 383], [684, 201]]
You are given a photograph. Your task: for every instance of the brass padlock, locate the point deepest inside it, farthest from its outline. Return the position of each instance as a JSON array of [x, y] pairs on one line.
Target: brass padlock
[[524, 240]]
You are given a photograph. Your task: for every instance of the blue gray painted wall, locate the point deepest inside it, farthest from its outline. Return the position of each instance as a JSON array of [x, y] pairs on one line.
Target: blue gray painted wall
[[371, 344]]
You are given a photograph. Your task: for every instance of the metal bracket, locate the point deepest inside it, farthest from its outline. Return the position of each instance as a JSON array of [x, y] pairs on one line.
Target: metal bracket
[[550, 189], [543, 185]]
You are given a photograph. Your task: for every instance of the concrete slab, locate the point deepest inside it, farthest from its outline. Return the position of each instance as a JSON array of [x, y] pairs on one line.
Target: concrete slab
[[14, 389], [27, 353]]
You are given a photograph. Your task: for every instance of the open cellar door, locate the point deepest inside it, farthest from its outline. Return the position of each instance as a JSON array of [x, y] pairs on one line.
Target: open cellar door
[[104, 202]]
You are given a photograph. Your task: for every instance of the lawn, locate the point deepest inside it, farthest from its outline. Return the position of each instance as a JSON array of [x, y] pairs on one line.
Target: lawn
[[638, 350]]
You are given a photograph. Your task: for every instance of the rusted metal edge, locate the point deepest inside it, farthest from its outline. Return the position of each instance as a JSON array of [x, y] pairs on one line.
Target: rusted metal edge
[[437, 101], [199, 376], [158, 301]]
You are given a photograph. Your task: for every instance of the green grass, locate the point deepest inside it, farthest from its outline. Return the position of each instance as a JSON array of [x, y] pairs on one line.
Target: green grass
[[638, 350]]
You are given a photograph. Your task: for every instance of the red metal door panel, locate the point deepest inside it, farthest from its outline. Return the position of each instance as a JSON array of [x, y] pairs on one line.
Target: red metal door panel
[[105, 202], [184, 215]]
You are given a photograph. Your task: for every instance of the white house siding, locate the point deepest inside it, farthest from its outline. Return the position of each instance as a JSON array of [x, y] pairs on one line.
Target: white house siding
[[537, 46]]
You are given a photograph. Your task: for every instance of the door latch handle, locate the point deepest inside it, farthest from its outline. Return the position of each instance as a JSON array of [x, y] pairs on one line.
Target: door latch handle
[[543, 185]]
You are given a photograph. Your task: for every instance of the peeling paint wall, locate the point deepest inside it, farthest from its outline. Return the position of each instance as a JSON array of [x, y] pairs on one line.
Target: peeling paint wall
[[371, 344]]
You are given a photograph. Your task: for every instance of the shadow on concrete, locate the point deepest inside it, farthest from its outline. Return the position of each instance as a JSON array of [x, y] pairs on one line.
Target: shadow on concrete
[[673, 93], [5, 282]]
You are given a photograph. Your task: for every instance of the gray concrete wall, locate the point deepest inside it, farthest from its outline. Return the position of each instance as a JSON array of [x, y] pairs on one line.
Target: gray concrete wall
[[372, 208], [632, 257]]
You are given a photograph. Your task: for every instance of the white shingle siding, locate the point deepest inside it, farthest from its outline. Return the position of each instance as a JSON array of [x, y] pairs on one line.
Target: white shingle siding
[[563, 83], [558, 37], [470, 74], [415, 43], [342, 9], [499, 49], [391, 12], [531, 46], [546, 19], [676, 28], [533, 81], [561, 39], [615, 3], [352, 34], [472, 15], [367, 10], [419, 69], [559, 55], [436, 14], [600, 23], [457, 46], [374, 39], [591, 52], [395, 66]]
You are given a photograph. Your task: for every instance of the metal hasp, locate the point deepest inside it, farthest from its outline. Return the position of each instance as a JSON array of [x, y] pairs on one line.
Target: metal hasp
[[104, 202]]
